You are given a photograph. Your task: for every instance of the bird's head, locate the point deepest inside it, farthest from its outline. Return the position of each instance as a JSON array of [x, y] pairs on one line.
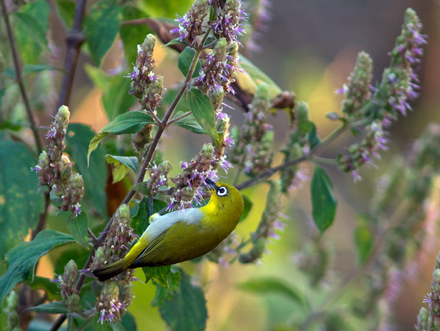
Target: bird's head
[[225, 198]]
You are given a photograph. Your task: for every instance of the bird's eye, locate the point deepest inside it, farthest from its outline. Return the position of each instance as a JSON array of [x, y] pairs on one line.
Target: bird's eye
[[222, 191]]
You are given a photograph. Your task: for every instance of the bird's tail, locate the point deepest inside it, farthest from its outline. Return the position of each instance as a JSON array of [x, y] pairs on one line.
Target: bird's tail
[[108, 271]]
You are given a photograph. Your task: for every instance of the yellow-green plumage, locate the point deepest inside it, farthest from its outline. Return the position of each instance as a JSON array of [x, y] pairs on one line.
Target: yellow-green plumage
[[182, 235]]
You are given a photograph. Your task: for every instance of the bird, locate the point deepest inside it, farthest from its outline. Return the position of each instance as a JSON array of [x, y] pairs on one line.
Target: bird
[[182, 235]]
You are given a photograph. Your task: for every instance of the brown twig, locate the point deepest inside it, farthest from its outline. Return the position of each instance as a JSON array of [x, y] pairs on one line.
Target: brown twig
[[74, 40], [19, 77]]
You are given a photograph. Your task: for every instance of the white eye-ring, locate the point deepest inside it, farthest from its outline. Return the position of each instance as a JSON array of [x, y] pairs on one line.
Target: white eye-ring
[[222, 191]]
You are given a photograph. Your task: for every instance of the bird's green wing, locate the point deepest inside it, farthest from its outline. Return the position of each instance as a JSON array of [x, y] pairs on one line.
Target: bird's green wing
[[142, 259]]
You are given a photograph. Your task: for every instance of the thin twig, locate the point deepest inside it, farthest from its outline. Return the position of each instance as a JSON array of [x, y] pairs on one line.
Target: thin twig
[[92, 235], [178, 118], [19, 78], [74, 40]]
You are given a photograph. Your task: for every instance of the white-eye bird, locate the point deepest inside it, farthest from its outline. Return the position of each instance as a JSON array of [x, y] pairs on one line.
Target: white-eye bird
[[182, 235]]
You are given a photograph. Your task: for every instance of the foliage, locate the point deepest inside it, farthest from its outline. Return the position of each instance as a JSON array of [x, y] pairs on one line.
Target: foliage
[[76, 170]]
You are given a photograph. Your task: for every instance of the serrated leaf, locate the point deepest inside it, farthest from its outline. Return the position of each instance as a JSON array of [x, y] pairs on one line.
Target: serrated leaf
[[101, 27], [363, 239], [77, 144], [20, 205], [157, 274], [139, 222], [161, 295], [129, 322], [115, 91], [323, 200], [185, 60], [78, 228], [273, 286], [45, 284], [56, 307], [23, 257], [246, 208], [189, 123], [187, 308], [117, 326], [174, 42], [203, 111]]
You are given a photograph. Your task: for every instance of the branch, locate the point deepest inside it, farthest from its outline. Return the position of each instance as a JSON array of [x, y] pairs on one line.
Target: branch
[[19, 78], [74, 40]]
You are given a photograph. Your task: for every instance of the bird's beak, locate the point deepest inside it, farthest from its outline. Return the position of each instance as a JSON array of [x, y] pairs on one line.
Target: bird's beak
[[211, 184]]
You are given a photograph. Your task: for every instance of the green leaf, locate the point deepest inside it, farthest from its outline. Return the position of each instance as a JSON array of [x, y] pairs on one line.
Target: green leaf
[[363, 238], [35, 68], [131, 122], [323, 201], [115, 91], [121, 165], [20, 205], [247, 208], [190, 124], [77, 142], [93, 145], [161, 295], [128, 322], [203, 112], [306, 126], [45, 284], [132, 35], [333, 116], [98, 326], [139, 222], [187, 309], [23, 257], [158, 274], [257, 77], [31, 29], [66, 8], [78, 228], [313, 137], [56, 307], [117, 326], [185, 60], [272, 285], [174, 42], [102, 26]]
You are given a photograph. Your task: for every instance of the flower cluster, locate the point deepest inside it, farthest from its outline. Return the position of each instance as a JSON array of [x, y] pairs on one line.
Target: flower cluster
[[256, 136], [359, 154], [188, 184], [119, 238], [159, 177], [259, 16], [218, 72], [141, 139], [191, 24], [406, 240], [268, 224], [430, 319], [296, 146], [227, 23], [116, 294], [389, 99], [358, 89], [108, 305], [67, 284], [55, 169]]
